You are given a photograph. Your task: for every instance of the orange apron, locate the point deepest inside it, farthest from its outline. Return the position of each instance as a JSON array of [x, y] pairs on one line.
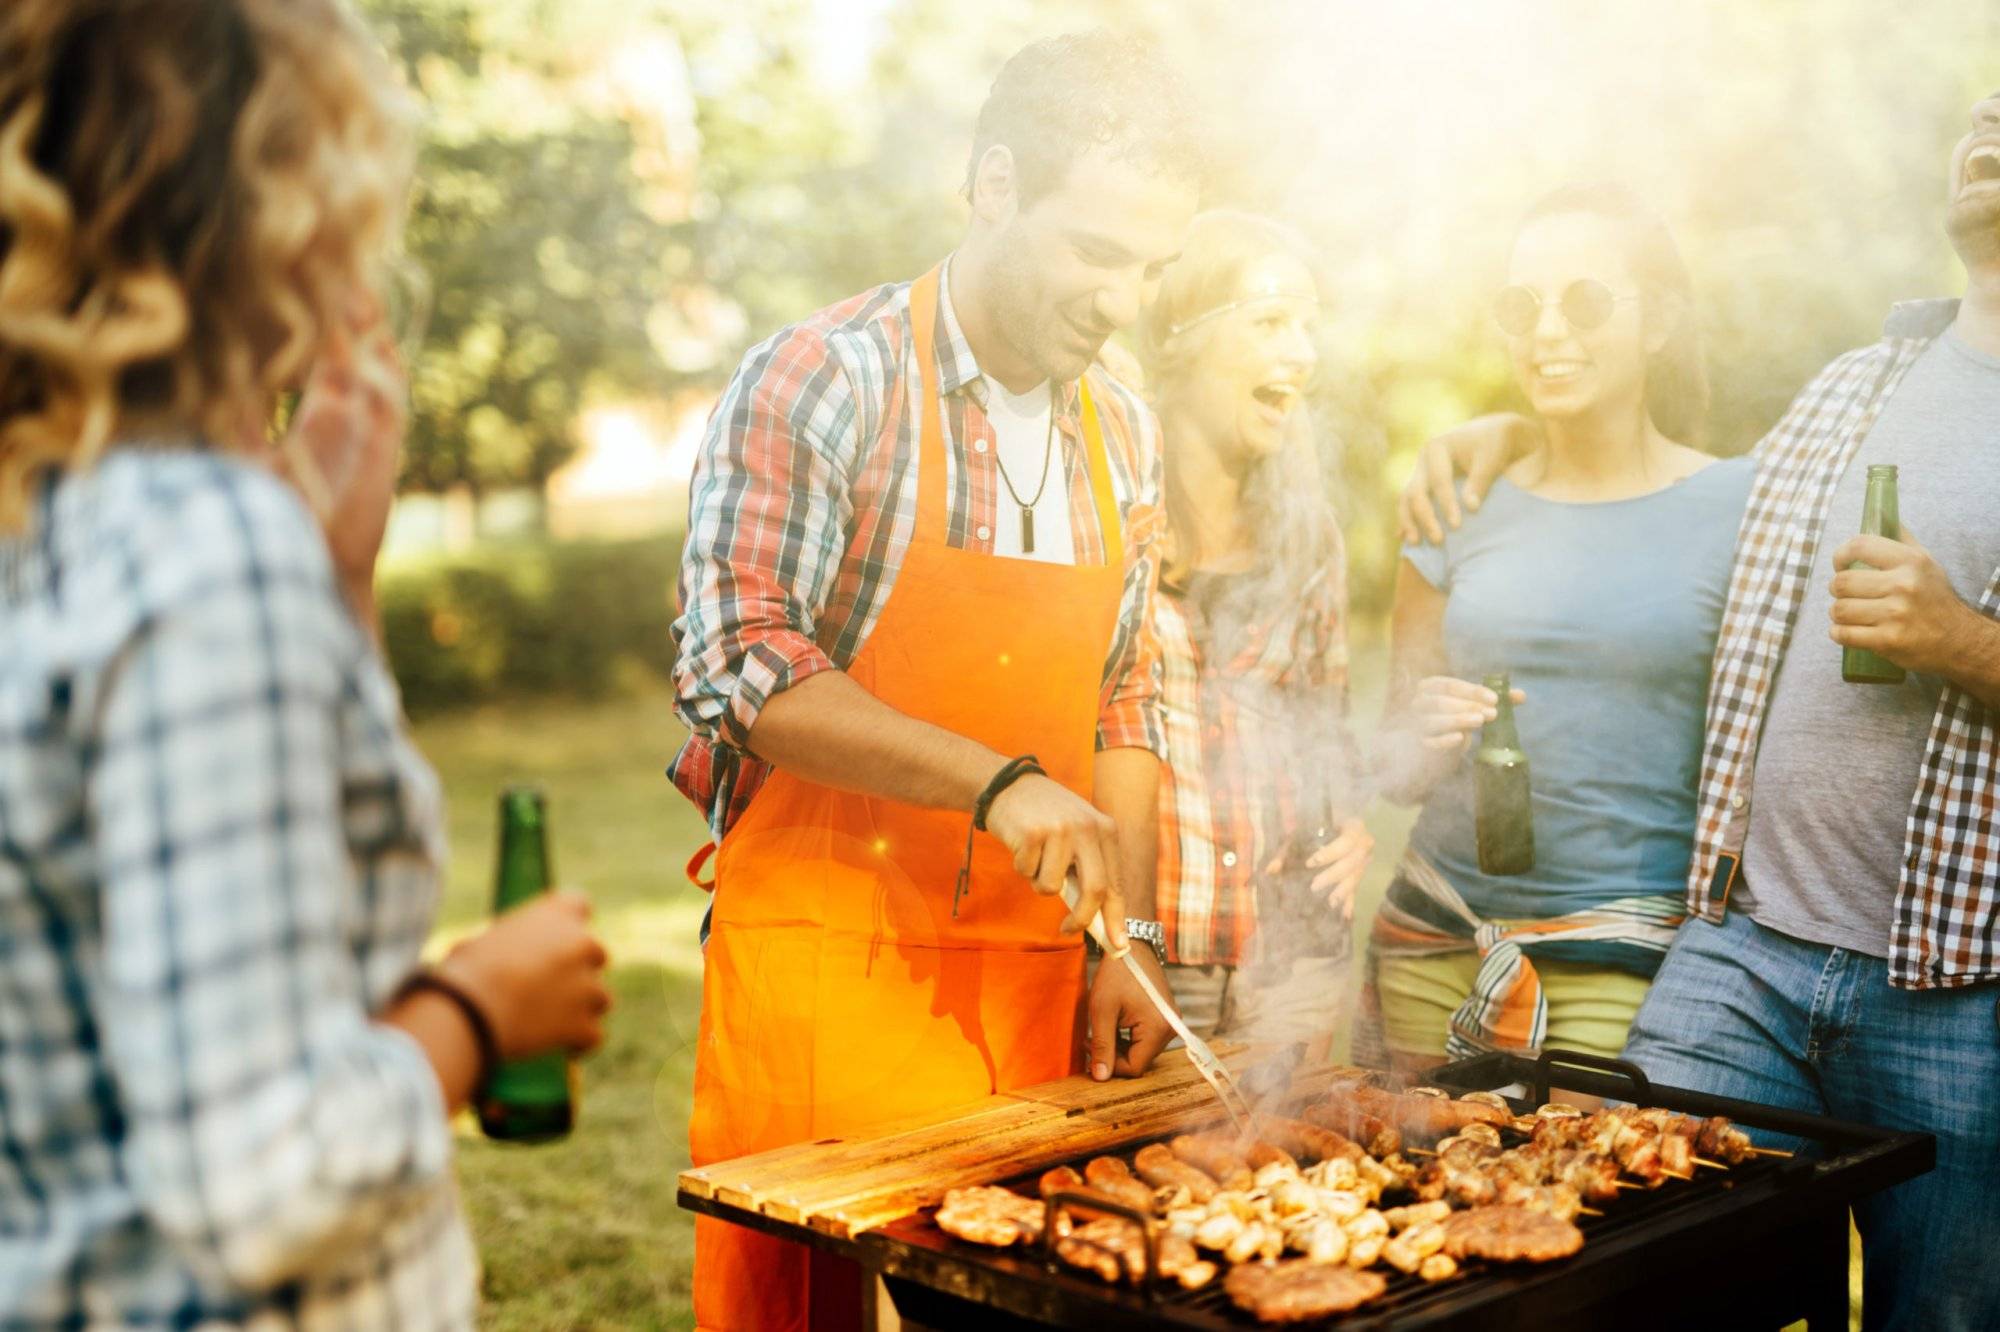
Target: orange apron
[[838, 990]]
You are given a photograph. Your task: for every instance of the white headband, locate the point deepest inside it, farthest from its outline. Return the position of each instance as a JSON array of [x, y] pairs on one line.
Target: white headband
[[1273, 293]]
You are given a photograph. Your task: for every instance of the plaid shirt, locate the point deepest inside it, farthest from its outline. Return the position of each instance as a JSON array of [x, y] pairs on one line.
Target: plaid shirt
[[1947, 912], [218, 856], [803, 502], [1242, 729]]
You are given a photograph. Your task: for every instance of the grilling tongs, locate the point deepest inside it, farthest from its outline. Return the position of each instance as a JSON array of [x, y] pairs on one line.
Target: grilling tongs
[[1213, 1071]]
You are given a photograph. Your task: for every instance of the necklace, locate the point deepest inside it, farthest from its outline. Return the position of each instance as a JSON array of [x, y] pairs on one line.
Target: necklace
[[1027, 506]]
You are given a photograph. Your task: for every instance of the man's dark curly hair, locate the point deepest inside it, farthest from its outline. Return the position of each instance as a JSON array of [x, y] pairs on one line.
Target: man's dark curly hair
[[1056, 99]]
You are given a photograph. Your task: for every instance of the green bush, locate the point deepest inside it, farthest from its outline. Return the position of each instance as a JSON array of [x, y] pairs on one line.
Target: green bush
[[577, 618]]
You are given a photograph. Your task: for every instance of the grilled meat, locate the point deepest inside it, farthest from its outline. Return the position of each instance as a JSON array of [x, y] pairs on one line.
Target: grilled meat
[[985, 1214], [1299, 1290], [1063, 1179], [1215, 1154], [1114, 1249], [1504, 1234], [1163, 1170], [1110, 1176], [1309, 1139]]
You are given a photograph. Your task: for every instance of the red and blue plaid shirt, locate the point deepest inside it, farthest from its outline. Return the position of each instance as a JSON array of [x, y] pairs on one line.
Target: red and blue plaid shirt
[[802, 506], [1946, 929]]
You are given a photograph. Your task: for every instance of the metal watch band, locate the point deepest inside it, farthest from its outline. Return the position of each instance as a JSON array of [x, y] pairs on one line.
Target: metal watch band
[[1148, 932]]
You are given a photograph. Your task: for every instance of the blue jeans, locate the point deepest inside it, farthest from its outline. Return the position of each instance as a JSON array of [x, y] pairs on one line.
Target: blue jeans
[[1743, 1011]]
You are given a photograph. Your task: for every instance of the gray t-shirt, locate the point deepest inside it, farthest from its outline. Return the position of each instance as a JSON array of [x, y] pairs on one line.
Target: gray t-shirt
[[1837, 765]]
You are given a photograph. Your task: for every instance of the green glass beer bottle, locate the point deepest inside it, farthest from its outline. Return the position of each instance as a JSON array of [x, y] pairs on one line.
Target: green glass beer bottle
[[526, 1100], [1505, 824], [1878, 518]]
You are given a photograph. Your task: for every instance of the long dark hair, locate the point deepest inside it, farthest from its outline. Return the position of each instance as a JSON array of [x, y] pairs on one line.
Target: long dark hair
[[1287, 509], [1676, 375]]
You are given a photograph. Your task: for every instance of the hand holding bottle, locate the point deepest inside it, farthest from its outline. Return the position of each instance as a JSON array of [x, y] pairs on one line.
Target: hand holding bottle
[[538, 975]]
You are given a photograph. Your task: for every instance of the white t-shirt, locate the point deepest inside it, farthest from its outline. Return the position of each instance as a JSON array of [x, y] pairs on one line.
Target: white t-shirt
[[1021, 428]]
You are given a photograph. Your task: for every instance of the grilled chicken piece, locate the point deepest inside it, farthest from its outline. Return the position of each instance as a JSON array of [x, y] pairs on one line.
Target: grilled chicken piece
[[1556, 1200], [1406, 1252], [1509, 1235], [1110, 1176], [1215, 1155], [985, 1214], [1416, 1214], [1300, 1290], [1114, 1250], [1437, 1267], [1163, 1170], [1719, 1140], [1063, 1179]]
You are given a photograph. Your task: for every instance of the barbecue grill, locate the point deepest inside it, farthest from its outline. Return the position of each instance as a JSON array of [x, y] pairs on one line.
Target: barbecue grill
[[1756, 1246]]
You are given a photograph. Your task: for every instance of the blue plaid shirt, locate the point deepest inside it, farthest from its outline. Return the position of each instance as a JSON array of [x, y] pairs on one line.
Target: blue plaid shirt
[[218, 856]]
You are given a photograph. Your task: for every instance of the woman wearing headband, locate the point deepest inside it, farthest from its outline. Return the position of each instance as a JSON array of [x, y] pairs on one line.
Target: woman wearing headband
[[225, 1080], [1261, 844], [1595, 576]]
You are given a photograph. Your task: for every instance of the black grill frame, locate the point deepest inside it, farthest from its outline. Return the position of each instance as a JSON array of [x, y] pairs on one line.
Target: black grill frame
[[1759, 1246]]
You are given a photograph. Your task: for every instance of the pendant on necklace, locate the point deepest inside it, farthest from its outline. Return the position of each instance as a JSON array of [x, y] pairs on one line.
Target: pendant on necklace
[[1027, 530]]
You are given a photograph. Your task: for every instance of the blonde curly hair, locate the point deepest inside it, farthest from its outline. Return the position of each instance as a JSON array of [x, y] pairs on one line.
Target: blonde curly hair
[[194, 195]]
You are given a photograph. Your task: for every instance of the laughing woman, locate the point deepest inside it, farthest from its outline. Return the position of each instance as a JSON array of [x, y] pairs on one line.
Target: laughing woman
[[1261, 844], [1594, 574]]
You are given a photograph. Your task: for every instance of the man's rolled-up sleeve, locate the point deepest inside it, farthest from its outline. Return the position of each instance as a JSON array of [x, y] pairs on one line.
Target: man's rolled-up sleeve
[[1129, 713], [271, 1124], [768, 508]]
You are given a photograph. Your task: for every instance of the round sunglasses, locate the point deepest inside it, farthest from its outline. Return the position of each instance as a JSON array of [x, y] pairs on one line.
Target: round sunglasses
[[1586, 303]]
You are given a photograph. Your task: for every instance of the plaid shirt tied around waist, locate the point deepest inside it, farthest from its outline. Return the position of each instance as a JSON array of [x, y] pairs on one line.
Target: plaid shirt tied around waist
[[803, 503], [1507, 1009], [1946, 929]]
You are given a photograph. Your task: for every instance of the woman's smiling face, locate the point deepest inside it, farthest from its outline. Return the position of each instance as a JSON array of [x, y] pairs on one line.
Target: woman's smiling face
[[1568, 371]]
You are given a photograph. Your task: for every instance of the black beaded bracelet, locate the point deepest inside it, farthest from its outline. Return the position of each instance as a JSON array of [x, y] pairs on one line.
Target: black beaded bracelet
[[425, 978], [1015, 770]]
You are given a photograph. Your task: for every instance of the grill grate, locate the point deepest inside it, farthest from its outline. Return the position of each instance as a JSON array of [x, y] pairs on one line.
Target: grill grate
[[1783, 1222], [1211, 1306]]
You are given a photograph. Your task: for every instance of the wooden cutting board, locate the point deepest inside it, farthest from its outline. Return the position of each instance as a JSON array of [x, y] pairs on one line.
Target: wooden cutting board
[[841, 1187]]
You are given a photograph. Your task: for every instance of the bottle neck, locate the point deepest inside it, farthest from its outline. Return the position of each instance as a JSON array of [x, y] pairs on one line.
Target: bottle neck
[[1500, 732], [1878, 510]]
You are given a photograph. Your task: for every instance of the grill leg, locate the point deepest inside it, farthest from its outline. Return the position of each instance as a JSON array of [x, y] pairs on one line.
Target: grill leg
[[1826, 1291]]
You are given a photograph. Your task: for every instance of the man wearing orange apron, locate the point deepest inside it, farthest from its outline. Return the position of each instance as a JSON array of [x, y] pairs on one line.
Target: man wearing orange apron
[[894, 629]]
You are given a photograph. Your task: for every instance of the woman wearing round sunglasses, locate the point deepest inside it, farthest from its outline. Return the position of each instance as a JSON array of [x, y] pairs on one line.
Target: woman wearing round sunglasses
[[1594, 574]]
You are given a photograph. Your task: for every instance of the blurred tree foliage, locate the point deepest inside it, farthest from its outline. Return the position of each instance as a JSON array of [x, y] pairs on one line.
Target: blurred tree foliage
[[1797, 147]]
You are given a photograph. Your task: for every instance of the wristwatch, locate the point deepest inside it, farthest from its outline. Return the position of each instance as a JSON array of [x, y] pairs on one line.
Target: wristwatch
[[1148, 932]]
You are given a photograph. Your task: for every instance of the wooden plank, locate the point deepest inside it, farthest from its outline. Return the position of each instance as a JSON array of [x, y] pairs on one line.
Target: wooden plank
[[782, 1167], [842, 1187]]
